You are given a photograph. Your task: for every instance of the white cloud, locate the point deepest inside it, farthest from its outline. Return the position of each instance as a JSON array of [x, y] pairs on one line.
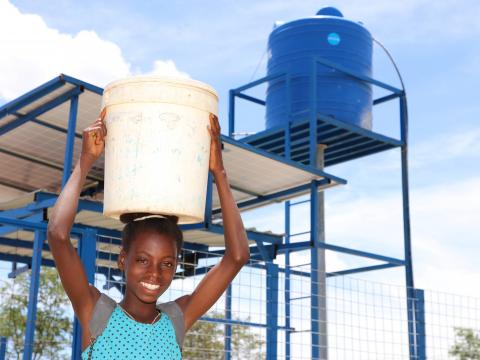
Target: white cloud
[[167, 68], [34, 53], [464, 143]]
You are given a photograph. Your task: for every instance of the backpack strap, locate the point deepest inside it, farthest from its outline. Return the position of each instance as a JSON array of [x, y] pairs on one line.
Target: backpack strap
[[175, 314], [101, 313]]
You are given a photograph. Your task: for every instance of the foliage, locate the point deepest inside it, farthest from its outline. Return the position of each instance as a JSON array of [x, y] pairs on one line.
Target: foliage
[[467, 344], [205, 340], [53, 325]]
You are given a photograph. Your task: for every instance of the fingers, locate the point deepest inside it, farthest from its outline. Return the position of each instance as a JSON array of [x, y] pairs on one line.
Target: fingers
[[214, 128], [96, 132], [100, 123]]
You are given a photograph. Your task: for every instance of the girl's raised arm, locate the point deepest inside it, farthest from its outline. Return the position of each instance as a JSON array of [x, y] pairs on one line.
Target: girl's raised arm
[[69, 266], [237, 252]]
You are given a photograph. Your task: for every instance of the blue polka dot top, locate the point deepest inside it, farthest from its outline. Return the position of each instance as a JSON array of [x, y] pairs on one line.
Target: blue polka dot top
[[125, 338]]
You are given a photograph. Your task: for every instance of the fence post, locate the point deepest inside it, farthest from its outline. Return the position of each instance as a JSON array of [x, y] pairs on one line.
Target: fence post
[[272, 310], [87, 251], [3, 348], [33, 294], [228, 326], [420, 324]]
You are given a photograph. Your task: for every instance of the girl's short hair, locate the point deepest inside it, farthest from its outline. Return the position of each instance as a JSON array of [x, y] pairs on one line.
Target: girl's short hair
[[165, 225]]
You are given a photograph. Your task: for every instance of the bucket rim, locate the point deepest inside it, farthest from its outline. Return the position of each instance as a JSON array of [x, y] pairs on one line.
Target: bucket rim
[[174, 80]]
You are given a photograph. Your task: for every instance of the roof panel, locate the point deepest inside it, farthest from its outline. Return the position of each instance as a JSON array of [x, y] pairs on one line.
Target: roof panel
[[252, 172], [46, 98]]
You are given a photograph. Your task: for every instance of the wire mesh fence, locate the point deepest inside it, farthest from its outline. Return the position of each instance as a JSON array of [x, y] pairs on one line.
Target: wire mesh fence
[[266, 313]]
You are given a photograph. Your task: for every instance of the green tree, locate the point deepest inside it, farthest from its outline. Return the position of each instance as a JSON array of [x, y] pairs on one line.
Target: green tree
[[205, 340], [53, 326], [467, 344]]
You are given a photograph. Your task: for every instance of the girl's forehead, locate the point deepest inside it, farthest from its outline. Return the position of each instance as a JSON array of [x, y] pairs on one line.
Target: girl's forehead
[[151, 239]]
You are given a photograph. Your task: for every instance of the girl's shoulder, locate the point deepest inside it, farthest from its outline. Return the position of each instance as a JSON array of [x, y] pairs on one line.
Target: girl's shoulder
[[175, 313], [102, 311]]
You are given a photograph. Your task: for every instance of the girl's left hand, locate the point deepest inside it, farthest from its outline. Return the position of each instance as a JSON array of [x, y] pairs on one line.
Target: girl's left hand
[[216, 162]]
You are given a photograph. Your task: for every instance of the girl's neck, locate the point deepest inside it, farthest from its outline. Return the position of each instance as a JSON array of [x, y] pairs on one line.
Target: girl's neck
[[141, 312]]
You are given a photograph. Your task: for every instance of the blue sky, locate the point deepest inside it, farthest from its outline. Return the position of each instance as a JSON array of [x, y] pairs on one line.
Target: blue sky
[[435, 45]]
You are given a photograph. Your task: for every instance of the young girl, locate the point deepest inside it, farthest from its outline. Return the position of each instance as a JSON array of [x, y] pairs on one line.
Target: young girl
[[137, 327]]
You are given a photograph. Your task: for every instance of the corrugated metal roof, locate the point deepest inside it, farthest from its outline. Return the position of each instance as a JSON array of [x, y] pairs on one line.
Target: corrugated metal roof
[[32, 155]]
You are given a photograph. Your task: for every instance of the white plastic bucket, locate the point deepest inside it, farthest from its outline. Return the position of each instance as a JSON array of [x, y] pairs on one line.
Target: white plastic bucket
[[157, 146]]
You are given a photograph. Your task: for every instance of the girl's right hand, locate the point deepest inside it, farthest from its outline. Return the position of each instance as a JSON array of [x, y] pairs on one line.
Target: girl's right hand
[[94, 139]]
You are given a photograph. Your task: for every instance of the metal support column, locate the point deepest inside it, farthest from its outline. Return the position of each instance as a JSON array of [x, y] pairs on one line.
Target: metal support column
[[406, 228], [313, 116], [87, 251], [231, 113], [420, 324], [272, 310], [228, 327], [33, 294], [318, 269], [3, 348], [69, 146], [287, 282], [208, 202]]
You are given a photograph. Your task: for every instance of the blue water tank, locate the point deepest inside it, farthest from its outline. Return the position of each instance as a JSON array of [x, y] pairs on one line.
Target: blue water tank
[[292, 48]]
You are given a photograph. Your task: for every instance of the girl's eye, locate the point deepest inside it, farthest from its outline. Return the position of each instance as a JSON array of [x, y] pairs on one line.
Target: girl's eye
[[168, 265], [142, 260]]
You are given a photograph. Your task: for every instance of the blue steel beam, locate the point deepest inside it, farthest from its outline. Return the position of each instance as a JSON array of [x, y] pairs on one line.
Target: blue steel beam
[[3, 347], [361, 253], [31, 96], [33, 295], [14, 273], [31, 225], [208, 201], [314, 275], [87, 252], [297, 246], [251, 98], [40, 110], [357, 129], [69, 146], [267, 253], [231, 113], [310, 169], [86, 85], [361, 269], [228, 324], [24, 259], [277, 195], [357, 75], [252, 235], [239, 322], [410, 286], [287, 281], [386, 98], [272, 310], [420, 325], [288, 147], [52, 126], [312, 157]]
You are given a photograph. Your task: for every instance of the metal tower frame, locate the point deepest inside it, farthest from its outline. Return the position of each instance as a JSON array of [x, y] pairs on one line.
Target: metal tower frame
[[298, 141]]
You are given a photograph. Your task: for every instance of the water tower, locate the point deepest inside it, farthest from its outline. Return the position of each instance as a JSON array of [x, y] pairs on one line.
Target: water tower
[[318, 110]]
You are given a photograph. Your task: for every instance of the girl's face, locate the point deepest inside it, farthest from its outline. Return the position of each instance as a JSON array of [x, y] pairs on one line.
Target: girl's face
[[149, 265]]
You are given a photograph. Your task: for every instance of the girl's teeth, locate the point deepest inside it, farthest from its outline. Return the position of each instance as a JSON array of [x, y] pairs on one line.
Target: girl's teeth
[[150, 286]]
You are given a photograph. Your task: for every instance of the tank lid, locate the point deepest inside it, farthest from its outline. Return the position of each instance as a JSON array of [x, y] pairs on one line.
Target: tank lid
[[330, 11]]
